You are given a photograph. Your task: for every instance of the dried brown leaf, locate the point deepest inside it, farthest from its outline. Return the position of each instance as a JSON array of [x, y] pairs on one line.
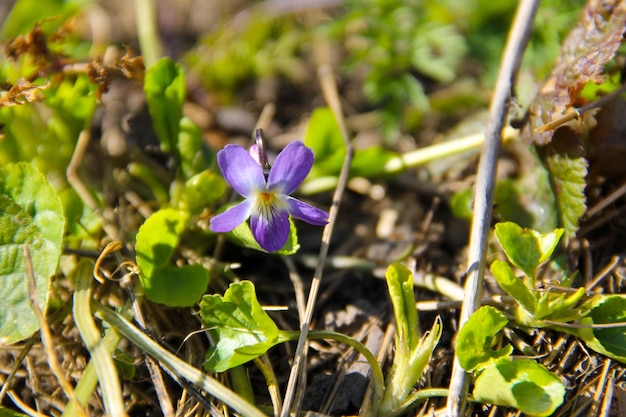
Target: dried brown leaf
[[33, 43], [132, 67], [126, 67], [590, 45], [21, 93]]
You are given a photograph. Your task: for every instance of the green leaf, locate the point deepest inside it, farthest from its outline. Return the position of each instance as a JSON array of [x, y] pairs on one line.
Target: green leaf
[[515, 287], [477, 337], [370, 162], [437, 50], [242, 329], [404, 375], [193, 156], [164, 86], [411, 354], [563, 307], [30, 212], [201, 191], [609, 341], [242, 235], [400, 284], [526, 248], [157, 239], [461, 204], [324, 137], [523, 384], [568, 172]]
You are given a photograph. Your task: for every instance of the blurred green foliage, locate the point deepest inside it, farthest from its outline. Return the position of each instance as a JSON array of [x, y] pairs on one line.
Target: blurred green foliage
[[237, 53], [401, 51]]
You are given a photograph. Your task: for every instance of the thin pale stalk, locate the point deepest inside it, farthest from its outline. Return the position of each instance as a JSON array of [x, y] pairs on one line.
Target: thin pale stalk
[[265, 366], [415, 158], [329, 88], [147, 31], [485, 181]]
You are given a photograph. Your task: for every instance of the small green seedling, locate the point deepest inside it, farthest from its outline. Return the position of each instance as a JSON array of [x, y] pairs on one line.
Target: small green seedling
[[524, 383], [243, 332], [527, 249], [600, 320], [412, 353]]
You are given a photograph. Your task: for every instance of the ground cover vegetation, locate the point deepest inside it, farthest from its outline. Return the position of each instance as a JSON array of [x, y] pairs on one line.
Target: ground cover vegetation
[[270, 208]]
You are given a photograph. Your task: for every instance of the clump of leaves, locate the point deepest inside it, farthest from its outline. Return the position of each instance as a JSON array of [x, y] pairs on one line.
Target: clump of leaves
[[523, 383], [527, 249]]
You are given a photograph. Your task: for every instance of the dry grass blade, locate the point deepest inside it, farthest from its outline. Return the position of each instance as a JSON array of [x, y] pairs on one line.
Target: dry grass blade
[[79, 186], [483, 194], [46, 334], [105, 367], [329, 88]]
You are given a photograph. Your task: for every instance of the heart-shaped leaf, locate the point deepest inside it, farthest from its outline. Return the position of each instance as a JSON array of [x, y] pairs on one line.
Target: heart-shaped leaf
[[242, 329], [163, 283], [477, 337], [526, 248]]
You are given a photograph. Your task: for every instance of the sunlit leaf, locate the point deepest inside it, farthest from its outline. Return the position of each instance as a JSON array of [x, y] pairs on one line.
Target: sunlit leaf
[[608, 341], [165, 90], [163, 283], [477, 337], [523, 384], [201, 191], [514, 286], [25, 13], [324, 137], [411, 354], [400, 284], [526, 248], [243, 330], [568, 171], [5, 412], [30, 212], [193, 155]]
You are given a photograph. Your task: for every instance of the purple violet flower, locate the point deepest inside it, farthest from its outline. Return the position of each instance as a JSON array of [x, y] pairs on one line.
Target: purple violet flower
[[267, 201]]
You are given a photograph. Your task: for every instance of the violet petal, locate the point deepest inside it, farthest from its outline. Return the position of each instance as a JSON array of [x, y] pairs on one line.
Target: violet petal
[[290, 168], [270, 227], [241, 171], [231, 218], [306, 212]]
